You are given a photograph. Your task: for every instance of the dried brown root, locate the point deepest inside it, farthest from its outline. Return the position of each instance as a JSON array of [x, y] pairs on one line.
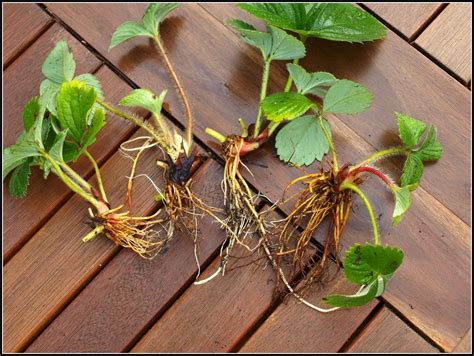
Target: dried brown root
[[319, 199]]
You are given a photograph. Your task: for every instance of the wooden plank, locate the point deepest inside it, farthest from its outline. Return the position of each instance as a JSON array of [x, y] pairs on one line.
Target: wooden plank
[[120, 303], [22, 24], [449, 39], [49, 271], [386, 333], [465, 346], [293, 327], [228, 76], [406, 18], [21, 82]]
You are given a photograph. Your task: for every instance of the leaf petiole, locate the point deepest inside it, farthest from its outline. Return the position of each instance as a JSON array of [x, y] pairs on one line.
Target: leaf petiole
[[331, 145], [384, 153], [97, 174], [355, 189], [263, 94]]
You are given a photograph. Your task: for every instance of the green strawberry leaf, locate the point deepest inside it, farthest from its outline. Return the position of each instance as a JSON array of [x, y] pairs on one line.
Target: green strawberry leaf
[[146, 99], [75, 102], [365, 263], [91, 82], [302, 141], [49, 94], [410, 129], [336, 22], [412, 170], [30, 113], [126, 31], [431, 149], [59, 65], [402, 202], [97, 122], [274, 44], [285, 106], [364, 296], [310, 83], [19, 180], [56, 151], [155, 14], [347, 97]]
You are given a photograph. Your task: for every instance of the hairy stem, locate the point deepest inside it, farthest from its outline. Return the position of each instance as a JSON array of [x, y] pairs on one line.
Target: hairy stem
[[331, 145], [187, 107], [97, 174], [374, 171], [263, 94], [355, 189], [140, 123], [383, 153], [290, 80]]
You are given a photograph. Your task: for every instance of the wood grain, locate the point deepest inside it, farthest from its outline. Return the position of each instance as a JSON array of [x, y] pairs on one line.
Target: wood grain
[[386, 333], [22, 24], [50, 194], [465, 346], [49, 271], [293, 327], [407, 18], [449, 39], [121, 302], [393, 70]]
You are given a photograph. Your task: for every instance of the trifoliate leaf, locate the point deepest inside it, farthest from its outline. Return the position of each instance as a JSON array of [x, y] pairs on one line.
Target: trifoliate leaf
[[285, 106], [364, 296], [302, 141], [402, 203], [127, 31], [91, 82], [347, 97], [337, 22], [155, 14], [431, 149], [49, 93], [59, 65], [144, 98], [412, 170], [365, 263], [410, 129], [30, 113], [306, 82], [19, 180], [274, 44], [74, 104]]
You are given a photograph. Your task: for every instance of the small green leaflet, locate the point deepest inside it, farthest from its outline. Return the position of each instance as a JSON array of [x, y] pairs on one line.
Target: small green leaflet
[[154, 15], [30, 113], [285, 106], [412, 170], [336, 22], [144, 98], [402, 202], [347, 97], [91, 82], [431, 149], [56, 151], [74, 104], [302, 140], [59, 66], [365, 263], [410, 129], [49, 93], [310, 83], [364, 296], [274, 44], [19, 180]]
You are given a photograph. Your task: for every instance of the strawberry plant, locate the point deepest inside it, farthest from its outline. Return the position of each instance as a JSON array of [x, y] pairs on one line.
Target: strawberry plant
[[59, 126], [300, 140]]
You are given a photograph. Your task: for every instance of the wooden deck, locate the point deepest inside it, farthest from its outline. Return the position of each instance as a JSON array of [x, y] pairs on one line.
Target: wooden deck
[[61, 295]]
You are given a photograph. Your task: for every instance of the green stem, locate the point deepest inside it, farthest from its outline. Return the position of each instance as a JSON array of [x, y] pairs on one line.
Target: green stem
[[219, 137], [354, 188], [138, 122], [75, 177], [331, 145], [272, 127], [97, 174], [383, 153], [70, 184], [187, 107], [263, 94], [290, 79], [98, 229]]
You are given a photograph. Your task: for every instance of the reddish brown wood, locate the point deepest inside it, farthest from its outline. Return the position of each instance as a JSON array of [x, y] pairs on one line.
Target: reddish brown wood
[[466, 343], [293, 327], [22, 24], [407, 18], [125, 298], [386, 333], [49, 271], [51, 194]]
